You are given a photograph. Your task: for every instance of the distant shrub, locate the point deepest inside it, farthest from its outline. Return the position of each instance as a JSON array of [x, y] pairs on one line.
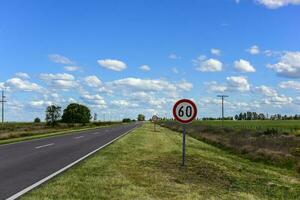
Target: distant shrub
[[126, 120], [37, 120]]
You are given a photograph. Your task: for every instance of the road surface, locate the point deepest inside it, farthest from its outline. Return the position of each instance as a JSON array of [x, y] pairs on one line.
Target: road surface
[[26, 163]]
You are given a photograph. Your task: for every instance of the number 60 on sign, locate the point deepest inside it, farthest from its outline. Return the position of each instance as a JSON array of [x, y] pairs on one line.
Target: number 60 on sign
[[184, 111]]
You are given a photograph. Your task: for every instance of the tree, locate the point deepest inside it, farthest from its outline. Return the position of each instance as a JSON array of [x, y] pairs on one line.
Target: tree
[[37, 120], [76, 113], [126, 120], [53, 114], [141, 117]]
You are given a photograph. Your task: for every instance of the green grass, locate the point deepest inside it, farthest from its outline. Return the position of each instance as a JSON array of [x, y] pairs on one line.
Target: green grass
[[146, 165], [289, 126]]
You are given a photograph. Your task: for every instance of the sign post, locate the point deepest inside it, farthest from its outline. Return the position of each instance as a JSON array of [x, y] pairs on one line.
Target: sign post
[[154, 120], [184, 111]]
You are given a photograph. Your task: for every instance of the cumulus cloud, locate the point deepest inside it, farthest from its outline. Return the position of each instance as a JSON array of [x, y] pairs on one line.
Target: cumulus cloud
[[290, 84], [216, 52], [210, 65], [124, 103], [214, 86], [243, 66], [184, 85], [239, 83], [40, 104], [94, 100], [23, 85], [143, 84], [288, 66], [273, 4], [59, 81], [145, 68], [60, 59], [253, 50], [174, 56], [115, 65], [72, 68], [266, 91], [22, 75], [92, 81]]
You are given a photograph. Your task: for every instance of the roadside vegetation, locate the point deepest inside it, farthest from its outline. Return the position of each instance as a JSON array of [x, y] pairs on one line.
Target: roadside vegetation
[[146, 165], [271, 141]]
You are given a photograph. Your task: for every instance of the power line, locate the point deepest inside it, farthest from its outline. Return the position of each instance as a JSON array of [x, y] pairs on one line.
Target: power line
[[223, 97], [2, 102]]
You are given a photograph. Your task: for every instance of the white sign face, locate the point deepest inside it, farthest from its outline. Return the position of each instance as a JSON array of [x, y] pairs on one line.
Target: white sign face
[[185, 111], [154, 118]]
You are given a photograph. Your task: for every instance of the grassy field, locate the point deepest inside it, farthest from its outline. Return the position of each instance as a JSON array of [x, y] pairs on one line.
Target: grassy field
[[287, 126], [146, 165], [15, 131]]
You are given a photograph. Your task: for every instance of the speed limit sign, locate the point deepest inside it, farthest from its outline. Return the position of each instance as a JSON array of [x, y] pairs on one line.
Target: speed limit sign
[[185, 111]]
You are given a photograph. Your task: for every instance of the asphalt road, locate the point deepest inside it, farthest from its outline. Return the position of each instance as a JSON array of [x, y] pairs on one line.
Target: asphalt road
[[25, 163]]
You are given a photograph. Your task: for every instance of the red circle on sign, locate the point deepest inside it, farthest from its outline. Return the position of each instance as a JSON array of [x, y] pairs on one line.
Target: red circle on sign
[[192, 117]]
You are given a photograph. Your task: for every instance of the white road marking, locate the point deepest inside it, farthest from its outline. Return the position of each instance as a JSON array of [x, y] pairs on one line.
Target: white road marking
[[78, 137], [17, 195], [46, 145]]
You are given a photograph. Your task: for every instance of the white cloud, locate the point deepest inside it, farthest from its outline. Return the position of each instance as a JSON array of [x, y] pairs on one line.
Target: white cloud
[[239, 83], [115, 65], [266, 91], [175, 70], [184, 85], [94, 100], [215, 51], [243, 66], [210, 65], [279, 100], [174, 56], [60, 59], [297, 101], [288, 66], [40, 104], [145, 68], [290, 84], [253, 50], [2, 86], [22, 75], [213, 86], [59, 81], [124, 103], [93, 81], [273, 4], [22, 85], [143, 84], [72, 68]]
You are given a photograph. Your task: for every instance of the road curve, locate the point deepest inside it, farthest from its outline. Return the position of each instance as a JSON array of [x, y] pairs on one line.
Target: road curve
[[26, 163]]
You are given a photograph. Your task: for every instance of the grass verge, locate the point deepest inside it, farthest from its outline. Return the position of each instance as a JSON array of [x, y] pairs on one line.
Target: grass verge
[[146, 165]]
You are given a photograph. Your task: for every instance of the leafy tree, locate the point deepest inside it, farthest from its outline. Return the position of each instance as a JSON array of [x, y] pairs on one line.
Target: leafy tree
[[141, 117], [37, 120], [76, 113], [53, 114], [125, 120]]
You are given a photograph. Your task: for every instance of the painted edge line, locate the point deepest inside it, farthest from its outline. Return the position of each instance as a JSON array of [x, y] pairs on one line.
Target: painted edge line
[[17, 195]]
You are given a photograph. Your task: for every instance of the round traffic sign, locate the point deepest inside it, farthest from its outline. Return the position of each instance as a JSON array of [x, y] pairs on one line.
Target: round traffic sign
[[154, 118], [185, 111]]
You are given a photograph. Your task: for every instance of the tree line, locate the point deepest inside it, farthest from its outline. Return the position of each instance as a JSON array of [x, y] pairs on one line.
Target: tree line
[[73, 113]]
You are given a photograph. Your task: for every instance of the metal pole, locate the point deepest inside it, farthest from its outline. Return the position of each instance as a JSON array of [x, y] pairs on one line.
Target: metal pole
[[2, 102], [223, 97], [183, 146]]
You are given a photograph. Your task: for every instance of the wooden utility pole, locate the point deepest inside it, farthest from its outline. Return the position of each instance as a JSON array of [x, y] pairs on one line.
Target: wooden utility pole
[[2, 102], [222, 97]]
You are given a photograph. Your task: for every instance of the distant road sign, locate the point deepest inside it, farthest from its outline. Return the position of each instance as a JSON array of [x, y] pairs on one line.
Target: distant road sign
[[154, 118], [185, 111]]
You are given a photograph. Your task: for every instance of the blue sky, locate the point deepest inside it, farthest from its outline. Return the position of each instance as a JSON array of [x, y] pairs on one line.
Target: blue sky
[[122, 58]]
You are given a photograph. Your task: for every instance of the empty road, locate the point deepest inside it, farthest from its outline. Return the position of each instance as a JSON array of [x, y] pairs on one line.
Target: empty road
[[32, 162]]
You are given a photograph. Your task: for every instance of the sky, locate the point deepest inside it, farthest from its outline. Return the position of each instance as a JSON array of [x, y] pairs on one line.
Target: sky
[[121, 58]]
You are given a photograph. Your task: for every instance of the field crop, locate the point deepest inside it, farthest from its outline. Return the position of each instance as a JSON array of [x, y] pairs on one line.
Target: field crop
[[266, 141]]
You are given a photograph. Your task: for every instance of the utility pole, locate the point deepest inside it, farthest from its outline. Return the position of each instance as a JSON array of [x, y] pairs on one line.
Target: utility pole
[[2, 101], [222, 97]]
